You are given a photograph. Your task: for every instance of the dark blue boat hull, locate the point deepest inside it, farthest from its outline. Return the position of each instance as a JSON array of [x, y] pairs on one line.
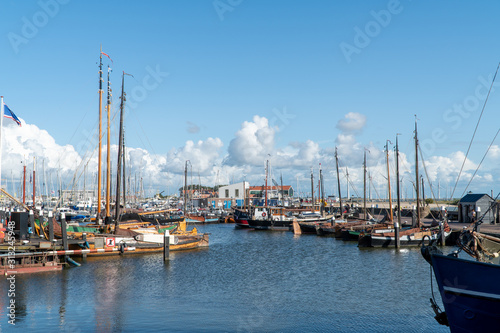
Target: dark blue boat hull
[[470, 291]]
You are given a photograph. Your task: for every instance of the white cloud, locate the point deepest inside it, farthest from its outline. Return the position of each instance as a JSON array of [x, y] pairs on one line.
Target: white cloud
[[22, 144], [252, 143], [245, 157], [353, 122]]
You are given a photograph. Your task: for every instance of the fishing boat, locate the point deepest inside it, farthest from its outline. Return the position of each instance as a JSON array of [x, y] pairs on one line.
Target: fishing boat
[[241, 217], [264, 219]]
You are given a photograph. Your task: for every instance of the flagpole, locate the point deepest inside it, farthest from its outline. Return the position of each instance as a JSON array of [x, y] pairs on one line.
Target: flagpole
[[1, 128]]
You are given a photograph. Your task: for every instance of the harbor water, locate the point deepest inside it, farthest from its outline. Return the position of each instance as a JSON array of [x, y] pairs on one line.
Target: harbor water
[[246, 281]]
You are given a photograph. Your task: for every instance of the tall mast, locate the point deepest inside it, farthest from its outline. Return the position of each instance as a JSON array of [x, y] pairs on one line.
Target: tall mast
[[398, 193], [265, 188], [312, 190], [364, 185], [185, 187], [34, 183], [108, 149], [416, 174], [322, 209], [85, 184], [338, 181], [45, 181], [100, 141], [24, 184], [124, 170], [282, 191], [388, 179], [119, 166]]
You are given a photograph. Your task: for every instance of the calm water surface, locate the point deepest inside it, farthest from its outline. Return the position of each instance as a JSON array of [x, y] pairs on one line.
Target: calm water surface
[[247, 281]]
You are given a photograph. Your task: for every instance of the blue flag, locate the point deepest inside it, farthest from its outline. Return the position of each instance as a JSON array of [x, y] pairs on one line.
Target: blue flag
[[7, 113]]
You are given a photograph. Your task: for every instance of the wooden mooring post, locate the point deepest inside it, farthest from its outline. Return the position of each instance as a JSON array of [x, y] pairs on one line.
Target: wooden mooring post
[[166, 246], [396, 235], [51, 226], [296, 227]]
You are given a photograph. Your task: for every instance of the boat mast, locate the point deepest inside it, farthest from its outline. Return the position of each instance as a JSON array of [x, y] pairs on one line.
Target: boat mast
[[338, 180], [24, 184], [108, 149], [312, 191], [282, 197], [124, 170], [322, 208], [100, 142], [364, 185], [396, 234], [416, 174], [388, 179], [185, 187], [265, 188], [34, 159], [119, 166]]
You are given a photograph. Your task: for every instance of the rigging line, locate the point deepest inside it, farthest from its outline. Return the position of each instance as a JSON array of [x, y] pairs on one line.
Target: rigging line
[[427, 176], [78, 126], [147, 138], [474, 134], [378, 195], [349, 180], [484, 156]]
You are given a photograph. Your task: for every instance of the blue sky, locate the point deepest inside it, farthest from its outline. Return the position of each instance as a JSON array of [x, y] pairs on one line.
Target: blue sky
[[219, 64]]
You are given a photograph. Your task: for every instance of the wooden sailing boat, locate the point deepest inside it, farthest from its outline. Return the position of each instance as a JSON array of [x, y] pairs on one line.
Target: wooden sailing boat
[[413, 236], [138, 237], [311, 223]]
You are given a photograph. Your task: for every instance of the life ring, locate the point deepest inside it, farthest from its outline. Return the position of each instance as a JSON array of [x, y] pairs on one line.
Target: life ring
[[263, 214]]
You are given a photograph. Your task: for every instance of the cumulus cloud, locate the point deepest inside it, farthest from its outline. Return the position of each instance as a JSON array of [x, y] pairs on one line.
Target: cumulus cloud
[[252, 142], [22, 144], [244, 159], [202, 155], [353, 122]]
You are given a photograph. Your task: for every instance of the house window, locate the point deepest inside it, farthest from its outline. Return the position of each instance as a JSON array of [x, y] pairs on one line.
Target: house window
[[227, 194], [237, 193]]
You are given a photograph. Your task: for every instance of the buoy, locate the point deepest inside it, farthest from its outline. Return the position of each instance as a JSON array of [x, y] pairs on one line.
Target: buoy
[[264, 214]]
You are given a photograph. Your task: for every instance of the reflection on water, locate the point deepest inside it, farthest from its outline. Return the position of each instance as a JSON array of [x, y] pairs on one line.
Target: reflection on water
[[247, 281]]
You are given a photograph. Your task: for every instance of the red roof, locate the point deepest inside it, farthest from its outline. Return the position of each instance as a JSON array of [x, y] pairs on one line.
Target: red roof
[[269, 188]]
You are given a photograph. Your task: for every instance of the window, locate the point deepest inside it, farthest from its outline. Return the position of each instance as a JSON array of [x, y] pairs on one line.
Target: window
[[237, 193], [227, 194]]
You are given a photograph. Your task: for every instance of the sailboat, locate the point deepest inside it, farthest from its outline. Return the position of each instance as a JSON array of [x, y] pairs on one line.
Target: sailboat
[[414, 236], [338, 227], [124, 236], [311, 222]]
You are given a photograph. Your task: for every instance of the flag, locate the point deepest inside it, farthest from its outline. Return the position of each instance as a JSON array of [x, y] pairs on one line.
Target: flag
[[107, 56], [7, 113]]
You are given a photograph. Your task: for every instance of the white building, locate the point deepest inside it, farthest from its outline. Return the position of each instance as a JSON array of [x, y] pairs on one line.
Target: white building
[[237, 191]]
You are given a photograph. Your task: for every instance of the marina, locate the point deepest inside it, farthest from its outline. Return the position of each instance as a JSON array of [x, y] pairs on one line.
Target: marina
[[291, 284], [249, 166]]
